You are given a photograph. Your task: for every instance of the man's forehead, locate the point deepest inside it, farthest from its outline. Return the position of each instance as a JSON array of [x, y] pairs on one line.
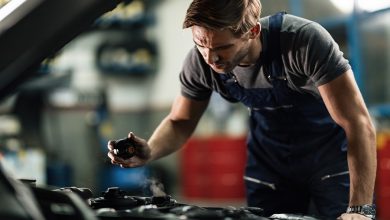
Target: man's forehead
[[209, 37]]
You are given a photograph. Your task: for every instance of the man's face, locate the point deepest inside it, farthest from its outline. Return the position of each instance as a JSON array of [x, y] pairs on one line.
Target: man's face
[[220, 49]]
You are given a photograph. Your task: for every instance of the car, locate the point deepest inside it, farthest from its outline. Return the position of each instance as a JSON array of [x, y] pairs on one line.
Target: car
[[31, 31]]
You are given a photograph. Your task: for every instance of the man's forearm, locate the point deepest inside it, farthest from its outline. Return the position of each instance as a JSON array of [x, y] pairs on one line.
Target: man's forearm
[[169, 136], [362, 163]]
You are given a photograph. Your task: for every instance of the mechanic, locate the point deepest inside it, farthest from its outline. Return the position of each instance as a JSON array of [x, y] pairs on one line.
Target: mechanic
[[311, 139]]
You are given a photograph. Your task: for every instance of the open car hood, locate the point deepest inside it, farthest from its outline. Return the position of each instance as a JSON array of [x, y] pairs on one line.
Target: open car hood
[[32, 30]]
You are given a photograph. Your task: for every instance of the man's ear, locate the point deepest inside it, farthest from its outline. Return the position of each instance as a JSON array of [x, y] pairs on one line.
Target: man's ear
[[255, 31]]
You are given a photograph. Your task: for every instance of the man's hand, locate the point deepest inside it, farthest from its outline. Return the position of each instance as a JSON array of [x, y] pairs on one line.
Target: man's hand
[[352, 216], [141, 155]]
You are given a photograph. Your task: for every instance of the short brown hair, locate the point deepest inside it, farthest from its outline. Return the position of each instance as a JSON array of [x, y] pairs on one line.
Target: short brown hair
[[239, 16]]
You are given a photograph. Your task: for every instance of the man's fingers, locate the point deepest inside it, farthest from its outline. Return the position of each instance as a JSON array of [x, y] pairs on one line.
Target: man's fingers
[[129, 165], [123, 163], [352, 216], [111, 155], [114, 158], [133, 137], [110, 145]]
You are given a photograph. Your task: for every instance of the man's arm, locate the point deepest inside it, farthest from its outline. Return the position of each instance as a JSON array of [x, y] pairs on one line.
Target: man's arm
[[177, 127], [169, 136], [346, 106]]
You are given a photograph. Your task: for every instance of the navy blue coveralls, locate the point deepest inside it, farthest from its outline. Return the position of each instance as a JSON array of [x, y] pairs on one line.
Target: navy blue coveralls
[[296, 152]]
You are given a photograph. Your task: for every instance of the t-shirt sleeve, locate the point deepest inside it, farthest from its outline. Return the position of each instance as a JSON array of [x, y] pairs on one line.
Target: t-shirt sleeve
[[320, 55], [194, 78]]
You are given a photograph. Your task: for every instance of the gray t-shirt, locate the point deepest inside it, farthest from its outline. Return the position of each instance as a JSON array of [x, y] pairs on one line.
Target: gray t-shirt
[[310, 58]]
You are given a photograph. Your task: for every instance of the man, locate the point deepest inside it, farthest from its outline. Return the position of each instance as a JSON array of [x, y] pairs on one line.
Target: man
[[311, 137]]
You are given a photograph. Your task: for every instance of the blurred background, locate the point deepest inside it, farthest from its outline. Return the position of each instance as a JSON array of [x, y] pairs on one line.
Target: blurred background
[[121, 75]]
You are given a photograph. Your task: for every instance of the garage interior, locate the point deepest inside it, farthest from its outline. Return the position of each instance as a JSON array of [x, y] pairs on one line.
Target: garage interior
[[121, 75]]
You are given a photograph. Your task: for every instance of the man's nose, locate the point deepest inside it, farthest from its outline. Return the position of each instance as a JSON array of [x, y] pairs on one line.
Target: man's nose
[[210, 56]]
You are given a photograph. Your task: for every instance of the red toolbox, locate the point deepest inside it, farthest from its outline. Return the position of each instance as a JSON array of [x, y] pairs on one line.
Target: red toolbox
[[213, 168], [383, 177]]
